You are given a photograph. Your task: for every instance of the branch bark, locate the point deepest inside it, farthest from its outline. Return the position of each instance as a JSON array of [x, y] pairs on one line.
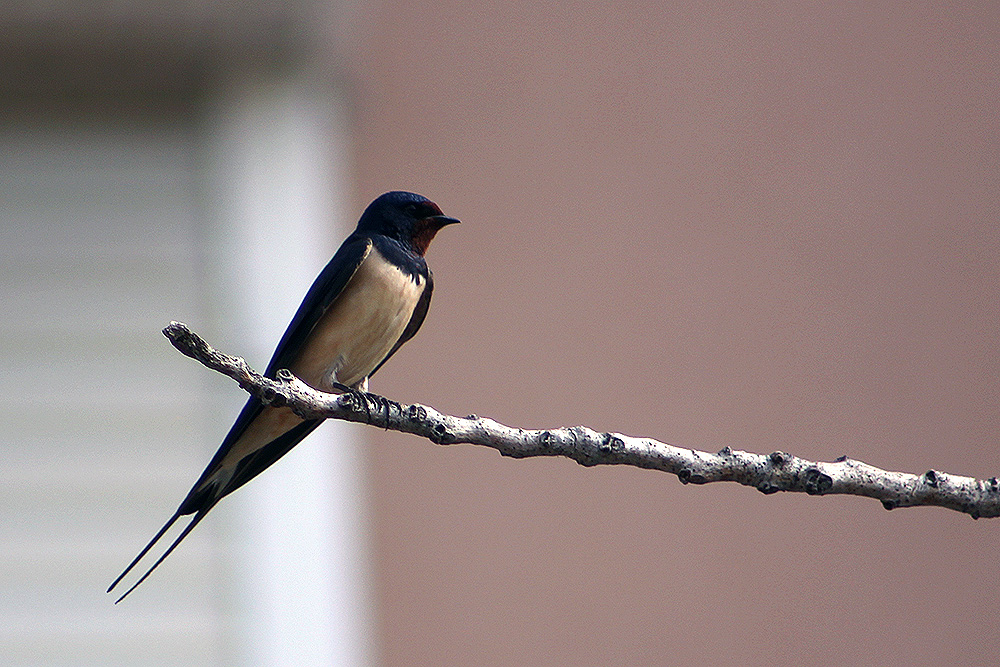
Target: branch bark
[[768, 473]]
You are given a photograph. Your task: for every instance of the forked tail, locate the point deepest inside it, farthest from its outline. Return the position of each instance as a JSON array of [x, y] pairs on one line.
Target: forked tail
[[187, 529]]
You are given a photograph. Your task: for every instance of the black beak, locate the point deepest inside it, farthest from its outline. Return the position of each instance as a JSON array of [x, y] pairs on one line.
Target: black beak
[[443, 221]]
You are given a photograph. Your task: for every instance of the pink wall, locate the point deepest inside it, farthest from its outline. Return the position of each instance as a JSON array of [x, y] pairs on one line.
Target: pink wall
[[772, 228]]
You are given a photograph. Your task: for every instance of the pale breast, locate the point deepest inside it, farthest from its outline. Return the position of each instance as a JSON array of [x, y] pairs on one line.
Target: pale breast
[[362, 325]]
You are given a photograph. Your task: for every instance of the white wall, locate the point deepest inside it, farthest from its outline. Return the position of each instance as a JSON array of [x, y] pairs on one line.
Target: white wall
[[278, 162], [109, 230]]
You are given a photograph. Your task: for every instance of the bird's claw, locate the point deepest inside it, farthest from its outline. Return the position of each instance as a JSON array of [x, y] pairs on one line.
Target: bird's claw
[[363, 398]]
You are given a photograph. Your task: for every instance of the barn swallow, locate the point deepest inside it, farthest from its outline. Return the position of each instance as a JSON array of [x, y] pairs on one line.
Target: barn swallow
[[370, 299]]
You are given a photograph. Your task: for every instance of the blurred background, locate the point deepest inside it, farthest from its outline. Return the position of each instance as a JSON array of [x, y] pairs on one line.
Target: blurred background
[[768, 226]]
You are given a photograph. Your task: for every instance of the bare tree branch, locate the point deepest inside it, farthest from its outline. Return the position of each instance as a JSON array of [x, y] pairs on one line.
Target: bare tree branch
[[768, 473]]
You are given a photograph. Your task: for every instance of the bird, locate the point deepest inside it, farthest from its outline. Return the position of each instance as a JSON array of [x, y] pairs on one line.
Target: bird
[[370, 299]]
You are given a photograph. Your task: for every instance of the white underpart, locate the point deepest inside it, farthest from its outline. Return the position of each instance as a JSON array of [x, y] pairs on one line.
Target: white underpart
[[345, 346], [362, 326]]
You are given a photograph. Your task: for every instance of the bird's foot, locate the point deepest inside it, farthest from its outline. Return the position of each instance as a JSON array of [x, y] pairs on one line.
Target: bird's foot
[[362, 398]]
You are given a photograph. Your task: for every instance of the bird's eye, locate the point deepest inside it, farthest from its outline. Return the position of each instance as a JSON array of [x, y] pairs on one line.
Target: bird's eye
[[421, 210]]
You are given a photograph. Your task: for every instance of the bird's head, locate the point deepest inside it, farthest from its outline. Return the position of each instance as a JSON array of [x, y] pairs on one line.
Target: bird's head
[[409, 218]]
